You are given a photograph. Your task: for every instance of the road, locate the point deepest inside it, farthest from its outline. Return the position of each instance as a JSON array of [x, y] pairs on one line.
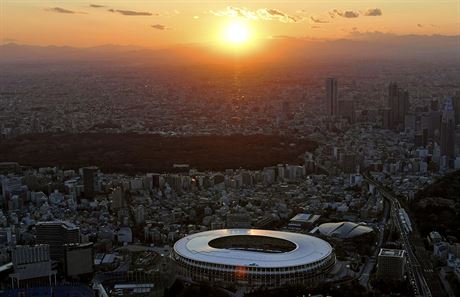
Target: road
[[415, 270], [366, 272]]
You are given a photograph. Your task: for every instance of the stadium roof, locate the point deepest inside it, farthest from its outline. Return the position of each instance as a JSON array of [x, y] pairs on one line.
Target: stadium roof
[[308, 249], [343, 229]]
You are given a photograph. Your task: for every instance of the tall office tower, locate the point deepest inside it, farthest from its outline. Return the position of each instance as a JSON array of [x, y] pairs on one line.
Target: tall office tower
[[393, 91], [424, 136], [448, 130], [57, 234], [456, 101], [391, 264], [331, 97], [403, 101], [393, 105], [89, 181], [425, 123], [347, 110], [435, 128], [398, 102]]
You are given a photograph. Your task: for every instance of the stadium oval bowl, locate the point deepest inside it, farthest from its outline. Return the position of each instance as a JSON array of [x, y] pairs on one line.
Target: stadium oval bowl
[[253, 258]]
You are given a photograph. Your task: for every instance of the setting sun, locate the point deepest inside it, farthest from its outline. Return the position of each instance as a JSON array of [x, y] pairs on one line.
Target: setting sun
[[236, 33]]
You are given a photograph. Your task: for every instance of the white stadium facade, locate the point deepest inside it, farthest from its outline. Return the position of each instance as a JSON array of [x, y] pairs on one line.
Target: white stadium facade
[[254, 258]]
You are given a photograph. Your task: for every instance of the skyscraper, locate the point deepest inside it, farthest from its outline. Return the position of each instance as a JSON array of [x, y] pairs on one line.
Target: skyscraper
[[331, 97], [456, 102], [403, 101], [448, 130], [392, 92], [398, 102], [393, 105], [435, 127]]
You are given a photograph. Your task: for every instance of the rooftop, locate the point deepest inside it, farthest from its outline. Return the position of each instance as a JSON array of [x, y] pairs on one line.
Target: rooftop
[[307, 249], [343, 229], [391, 253]]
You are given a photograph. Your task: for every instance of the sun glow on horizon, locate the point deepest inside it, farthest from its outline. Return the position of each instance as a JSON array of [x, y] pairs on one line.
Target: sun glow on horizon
[[236, 37], [236, 33]]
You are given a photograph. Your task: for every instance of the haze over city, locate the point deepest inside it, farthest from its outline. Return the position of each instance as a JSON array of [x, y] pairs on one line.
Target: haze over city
[[198, 31], [229, 148]]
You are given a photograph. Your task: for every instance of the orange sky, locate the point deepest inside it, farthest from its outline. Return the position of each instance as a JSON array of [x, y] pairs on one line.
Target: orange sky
[[163, 23]]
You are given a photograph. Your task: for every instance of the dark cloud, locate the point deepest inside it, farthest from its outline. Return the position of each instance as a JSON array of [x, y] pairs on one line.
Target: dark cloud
[[160, 27], [315, 27], [349, 14], [96, 6], [60, 10], [240, 12], [319, 21], [131, 12], [274, 11], [373, 12], [281, 15], [419, 25]]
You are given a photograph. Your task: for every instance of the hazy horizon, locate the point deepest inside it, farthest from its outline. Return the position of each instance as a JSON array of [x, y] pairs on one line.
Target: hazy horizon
[[216, 32], [359, 45]]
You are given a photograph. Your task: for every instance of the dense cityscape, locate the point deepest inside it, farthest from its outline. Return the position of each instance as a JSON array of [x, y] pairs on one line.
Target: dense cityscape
[[353, 189], [163, 149]]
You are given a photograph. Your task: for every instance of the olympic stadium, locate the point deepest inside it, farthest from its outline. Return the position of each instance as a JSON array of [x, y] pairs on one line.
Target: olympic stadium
[[253, 258]]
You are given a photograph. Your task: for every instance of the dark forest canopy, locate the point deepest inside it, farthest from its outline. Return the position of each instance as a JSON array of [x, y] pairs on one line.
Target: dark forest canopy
[[153, 153], [437, 207]]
